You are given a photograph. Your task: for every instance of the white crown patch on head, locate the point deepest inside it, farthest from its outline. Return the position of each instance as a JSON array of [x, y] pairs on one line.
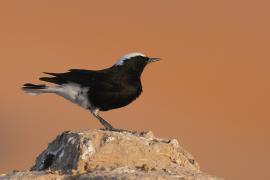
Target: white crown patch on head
[[127, 56]]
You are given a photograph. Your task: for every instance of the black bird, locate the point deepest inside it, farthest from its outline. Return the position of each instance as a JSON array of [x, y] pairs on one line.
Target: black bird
[[100, 90]]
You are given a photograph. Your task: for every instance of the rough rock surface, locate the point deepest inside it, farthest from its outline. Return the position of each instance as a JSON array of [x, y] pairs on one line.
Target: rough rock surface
[[99, 154]]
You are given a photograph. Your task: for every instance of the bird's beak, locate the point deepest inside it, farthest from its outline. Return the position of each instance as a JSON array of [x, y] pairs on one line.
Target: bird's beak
[[153, 60]]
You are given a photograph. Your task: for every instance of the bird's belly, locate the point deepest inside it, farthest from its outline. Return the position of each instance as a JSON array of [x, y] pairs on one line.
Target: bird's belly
[[107, 101]]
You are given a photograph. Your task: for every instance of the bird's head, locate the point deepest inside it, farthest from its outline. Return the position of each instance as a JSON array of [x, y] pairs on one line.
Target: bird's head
[[134, 62]]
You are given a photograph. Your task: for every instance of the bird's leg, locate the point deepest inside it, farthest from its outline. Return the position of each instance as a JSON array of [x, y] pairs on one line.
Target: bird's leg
[[107, 125]]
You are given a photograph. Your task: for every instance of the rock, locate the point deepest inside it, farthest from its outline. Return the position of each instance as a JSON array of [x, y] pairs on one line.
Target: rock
[[100, 154]]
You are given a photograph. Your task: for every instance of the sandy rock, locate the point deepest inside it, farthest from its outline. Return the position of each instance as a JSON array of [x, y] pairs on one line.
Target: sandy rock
[[99, 154]]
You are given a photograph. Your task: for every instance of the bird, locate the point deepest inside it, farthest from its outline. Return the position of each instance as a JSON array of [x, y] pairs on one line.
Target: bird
[[98, 90]]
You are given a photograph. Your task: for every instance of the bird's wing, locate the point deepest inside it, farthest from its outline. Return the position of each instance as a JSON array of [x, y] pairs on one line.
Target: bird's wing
[[98, 80], [80, 76]]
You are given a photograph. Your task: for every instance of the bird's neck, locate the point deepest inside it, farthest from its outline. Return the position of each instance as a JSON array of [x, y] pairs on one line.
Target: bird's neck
[[129, 72]]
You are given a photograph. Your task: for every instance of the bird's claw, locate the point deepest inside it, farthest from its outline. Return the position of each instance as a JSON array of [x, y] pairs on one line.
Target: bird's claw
[[116, 130]]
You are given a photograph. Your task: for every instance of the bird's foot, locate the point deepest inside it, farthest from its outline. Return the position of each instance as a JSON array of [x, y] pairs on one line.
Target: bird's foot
[[117, 130]]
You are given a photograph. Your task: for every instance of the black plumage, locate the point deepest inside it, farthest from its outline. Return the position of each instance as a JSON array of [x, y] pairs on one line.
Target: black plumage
[[105, 89]]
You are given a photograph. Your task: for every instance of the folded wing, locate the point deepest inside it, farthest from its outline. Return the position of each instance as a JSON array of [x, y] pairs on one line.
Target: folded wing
[[79, 76]]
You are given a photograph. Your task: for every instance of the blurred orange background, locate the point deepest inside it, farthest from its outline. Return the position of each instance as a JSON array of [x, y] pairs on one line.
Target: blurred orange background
[[211, 91]]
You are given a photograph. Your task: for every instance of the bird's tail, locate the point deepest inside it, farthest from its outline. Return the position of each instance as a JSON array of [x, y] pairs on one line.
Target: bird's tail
[[34, 89]]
